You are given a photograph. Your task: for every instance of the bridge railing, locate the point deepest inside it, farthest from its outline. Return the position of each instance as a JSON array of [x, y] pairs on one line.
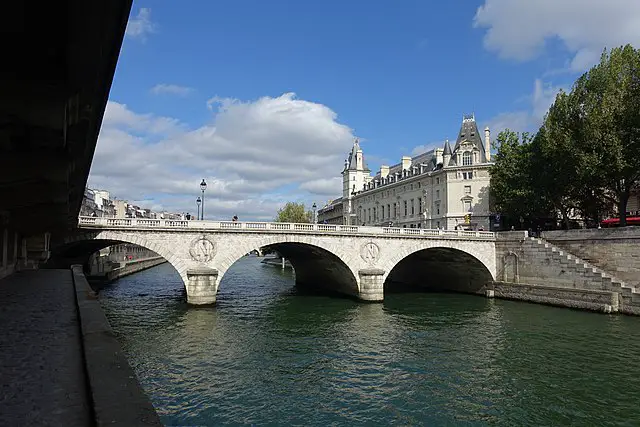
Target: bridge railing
[[137, 223]]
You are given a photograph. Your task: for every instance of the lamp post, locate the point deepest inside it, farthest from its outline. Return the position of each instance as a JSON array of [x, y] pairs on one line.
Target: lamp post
[[315, 219], [203, 186], [198, 201]]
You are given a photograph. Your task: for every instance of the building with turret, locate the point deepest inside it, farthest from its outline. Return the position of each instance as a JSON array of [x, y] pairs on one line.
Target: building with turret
[[446, 188]]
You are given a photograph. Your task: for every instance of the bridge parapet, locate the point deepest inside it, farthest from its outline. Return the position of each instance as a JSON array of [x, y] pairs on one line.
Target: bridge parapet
[[279, 227]]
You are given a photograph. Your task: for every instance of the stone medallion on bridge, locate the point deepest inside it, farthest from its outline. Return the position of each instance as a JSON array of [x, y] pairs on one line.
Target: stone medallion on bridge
[[202, 250], [370, 252]]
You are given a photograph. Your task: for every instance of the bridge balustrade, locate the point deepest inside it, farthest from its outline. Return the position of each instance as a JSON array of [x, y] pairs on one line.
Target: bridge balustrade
[[145, 223]]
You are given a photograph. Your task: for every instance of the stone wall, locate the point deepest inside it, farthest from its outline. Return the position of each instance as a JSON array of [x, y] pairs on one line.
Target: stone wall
[[130, 267], [614, 250], [531, 269]]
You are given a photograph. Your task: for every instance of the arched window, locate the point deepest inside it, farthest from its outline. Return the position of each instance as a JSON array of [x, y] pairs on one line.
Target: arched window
[[466, 158]]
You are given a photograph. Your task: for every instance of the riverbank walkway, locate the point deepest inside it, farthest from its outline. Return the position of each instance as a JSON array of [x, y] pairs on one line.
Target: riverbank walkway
[[60, 362], [41, 355]]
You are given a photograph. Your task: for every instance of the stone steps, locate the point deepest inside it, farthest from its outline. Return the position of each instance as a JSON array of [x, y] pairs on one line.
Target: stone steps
[[593, 272]]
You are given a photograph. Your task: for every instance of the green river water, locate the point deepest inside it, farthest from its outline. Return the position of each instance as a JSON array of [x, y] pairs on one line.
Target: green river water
[[268, 355]]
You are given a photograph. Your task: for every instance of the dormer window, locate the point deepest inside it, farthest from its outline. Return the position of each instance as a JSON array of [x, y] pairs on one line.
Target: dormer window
[[466, 158]]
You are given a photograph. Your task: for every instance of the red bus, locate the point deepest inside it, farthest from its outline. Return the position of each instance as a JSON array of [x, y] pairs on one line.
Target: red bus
[[615, 222]]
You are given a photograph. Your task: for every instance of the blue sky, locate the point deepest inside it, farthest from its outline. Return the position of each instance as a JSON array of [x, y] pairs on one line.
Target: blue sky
[[207, 90]]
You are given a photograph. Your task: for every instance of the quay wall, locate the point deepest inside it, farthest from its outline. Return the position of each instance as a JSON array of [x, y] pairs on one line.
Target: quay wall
[[133, 266], [117, 396], [614, 250], [535, 270], [123, 269]]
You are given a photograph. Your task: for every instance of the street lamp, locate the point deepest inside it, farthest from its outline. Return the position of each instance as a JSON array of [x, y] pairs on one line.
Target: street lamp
[[315, 220], [203, 186], [198, 201]]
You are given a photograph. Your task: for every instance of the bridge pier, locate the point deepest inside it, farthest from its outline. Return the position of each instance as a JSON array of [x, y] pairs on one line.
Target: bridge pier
[[202, 286], [371, 284]]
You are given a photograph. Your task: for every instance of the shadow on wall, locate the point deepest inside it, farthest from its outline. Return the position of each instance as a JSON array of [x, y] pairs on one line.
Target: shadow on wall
[[438, 270], [317, 268]]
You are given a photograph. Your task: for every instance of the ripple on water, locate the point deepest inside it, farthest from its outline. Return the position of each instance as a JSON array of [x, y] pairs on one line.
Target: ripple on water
[[267, 355]]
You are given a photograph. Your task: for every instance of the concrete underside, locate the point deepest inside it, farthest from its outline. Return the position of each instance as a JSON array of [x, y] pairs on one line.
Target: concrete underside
[[58, 62]]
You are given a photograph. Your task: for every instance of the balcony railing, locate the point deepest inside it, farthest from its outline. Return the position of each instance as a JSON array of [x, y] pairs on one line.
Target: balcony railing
[[87, 222]]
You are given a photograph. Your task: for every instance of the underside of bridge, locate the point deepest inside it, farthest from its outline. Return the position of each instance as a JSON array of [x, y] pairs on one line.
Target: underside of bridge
[[64, 256], [318, 269], [58, 63], [438, 269]]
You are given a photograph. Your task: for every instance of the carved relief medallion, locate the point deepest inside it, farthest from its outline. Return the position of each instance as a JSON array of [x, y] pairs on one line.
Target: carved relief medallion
[[370, 252], [202, 250]]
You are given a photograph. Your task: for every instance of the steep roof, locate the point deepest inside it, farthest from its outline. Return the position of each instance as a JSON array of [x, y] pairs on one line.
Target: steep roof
[[352, 161], [427, 158], [469, 132]]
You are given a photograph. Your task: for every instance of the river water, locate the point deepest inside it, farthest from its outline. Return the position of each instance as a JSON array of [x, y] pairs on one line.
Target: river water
[[267, 355]]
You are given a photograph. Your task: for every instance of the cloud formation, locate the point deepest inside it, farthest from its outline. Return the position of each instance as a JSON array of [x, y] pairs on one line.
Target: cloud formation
[[520, 29], [530, 119], [255, 155], [141, 26], [170, 89]]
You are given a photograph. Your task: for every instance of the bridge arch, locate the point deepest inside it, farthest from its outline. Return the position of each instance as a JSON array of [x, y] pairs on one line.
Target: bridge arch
[[317, 263], [94, 241], [444, 265]]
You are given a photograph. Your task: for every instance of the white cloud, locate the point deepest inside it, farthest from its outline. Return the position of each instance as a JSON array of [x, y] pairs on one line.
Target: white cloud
[[419, 149], [519, 29], [531, 118], [141, 26], [254, 155], [170, 89]]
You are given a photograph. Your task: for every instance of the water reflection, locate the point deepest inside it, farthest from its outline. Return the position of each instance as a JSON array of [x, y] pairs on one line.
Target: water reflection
[[268, 355]]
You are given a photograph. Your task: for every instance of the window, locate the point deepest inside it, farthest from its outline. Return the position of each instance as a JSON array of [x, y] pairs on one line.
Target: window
[[437, 208], [438, 224], [467, 189], [405, 208], [437, 194], [419, 204], [466, 158], [438, 180], [467, 175], [388, 211], [419, 185], [354, 178], [412, 208], [369, 212], [411, 187], [375, 218], [467, 206]]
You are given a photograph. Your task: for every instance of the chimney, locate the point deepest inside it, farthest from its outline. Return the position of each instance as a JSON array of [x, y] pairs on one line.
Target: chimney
[[384, 171], [406, 162], [487, 143], [438, 154]]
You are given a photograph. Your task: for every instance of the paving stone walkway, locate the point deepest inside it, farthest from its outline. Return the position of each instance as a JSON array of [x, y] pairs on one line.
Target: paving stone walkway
[[42, 375]]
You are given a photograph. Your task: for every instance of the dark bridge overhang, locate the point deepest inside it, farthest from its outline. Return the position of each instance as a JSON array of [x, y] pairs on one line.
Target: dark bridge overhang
[[58, 62]]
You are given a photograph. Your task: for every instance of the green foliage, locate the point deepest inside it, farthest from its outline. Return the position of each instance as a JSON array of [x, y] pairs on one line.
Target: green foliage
[[294, 212], [586, 155]]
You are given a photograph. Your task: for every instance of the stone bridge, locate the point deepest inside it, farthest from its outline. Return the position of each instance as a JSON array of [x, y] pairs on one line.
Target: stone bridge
[[358, 261]]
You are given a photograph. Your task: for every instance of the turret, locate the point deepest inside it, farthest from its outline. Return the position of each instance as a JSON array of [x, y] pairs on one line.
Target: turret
[[446, 154]]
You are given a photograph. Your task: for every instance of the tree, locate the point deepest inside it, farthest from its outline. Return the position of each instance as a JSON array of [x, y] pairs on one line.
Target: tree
[[513, 189], [607, 126], [294, 212]]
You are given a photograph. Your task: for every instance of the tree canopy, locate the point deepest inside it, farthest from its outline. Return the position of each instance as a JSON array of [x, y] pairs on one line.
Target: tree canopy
[[294, 212], [585, 157]]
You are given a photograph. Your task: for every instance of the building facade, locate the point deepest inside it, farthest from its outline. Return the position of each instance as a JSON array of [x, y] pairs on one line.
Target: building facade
[[446, 188]]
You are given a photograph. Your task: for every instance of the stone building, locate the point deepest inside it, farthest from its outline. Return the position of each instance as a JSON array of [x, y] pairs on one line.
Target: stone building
[[331, 213], [445, 188]]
